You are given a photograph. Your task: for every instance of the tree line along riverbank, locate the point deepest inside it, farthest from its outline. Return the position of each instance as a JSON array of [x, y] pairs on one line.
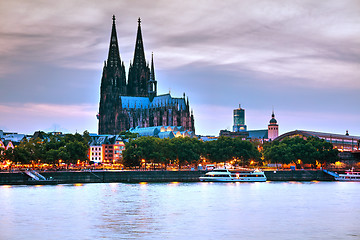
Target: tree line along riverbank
[[72, 149]]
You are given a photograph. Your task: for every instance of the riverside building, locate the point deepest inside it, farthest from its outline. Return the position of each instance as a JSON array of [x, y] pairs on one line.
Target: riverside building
[[106, 148]]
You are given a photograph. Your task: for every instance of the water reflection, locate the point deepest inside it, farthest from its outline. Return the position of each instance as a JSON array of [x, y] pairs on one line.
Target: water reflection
[[271, 210]]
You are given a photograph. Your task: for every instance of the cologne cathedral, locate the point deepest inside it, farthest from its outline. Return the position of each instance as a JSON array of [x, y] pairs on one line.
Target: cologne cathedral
[[133, 102]]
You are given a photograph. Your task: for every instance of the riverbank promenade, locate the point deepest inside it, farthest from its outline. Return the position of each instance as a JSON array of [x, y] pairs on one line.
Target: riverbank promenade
[[69, 177]]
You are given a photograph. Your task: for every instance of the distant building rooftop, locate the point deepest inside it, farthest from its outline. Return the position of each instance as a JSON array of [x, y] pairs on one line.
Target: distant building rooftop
[[342, 142]]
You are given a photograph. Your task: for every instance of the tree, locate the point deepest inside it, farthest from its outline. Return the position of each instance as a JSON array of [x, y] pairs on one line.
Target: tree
[[132, 154], [128, 135], [220, 150], [226, 149], [185, 150], [325, 151], [300, 151], [245, 151], [279, 153]]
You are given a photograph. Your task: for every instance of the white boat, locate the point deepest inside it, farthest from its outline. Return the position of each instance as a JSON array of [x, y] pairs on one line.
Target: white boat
[[224, 175], [349, 176]]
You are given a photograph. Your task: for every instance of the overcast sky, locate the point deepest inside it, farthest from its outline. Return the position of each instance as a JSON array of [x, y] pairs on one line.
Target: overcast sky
[[301, 58]]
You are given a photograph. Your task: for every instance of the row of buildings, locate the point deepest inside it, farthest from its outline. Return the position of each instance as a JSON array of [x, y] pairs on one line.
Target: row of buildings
[[342, 142], [240, 128], [108, 148], [103, 148]]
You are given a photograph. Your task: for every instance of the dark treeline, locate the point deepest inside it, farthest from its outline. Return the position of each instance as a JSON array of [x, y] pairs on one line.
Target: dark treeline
[[313, 151], [184, 151], [50, 149], [70, 148]]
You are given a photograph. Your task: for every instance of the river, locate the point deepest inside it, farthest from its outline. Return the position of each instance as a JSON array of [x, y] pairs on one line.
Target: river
[[270, 210]]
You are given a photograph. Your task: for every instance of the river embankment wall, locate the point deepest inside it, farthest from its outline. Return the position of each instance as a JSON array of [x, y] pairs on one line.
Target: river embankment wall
[[150, 176]]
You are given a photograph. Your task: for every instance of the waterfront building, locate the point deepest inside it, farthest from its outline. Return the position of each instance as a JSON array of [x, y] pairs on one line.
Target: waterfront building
[[14, 137], [10, 139], [134, 102], [106, 148], [9, 144], [241, 134]]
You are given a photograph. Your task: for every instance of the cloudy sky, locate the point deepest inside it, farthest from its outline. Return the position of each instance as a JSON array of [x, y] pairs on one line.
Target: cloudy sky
[[300, 57]]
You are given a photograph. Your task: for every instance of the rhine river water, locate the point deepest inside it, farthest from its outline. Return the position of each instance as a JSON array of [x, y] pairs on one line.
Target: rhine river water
[[270, 210]]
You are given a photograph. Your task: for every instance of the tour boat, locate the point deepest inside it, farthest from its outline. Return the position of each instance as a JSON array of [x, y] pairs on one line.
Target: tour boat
[[349, 176], [224, 175]]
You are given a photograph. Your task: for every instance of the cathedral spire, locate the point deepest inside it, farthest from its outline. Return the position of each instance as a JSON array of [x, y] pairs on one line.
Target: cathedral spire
[[152, 71], [139, 71], [139, 55], [152, 81], [114, 55]]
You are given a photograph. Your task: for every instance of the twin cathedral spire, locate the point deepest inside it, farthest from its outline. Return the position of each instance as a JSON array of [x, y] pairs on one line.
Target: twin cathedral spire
[[141, 79], [132, 101]]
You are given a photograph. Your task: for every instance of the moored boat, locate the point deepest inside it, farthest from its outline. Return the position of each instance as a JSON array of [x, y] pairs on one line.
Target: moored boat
[[349, 176], [224, 175]]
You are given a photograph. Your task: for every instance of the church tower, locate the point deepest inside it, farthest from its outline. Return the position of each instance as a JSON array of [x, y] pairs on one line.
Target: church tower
[[113, 85], [139, 71], [273, 128]]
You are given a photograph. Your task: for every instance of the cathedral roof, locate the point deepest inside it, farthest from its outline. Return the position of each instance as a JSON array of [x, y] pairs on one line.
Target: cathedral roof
[[147, 131], [168, 134], [158, 101]]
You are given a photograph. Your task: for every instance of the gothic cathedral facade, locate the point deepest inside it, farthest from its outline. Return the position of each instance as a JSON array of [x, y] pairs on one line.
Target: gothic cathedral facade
[[133, 102]]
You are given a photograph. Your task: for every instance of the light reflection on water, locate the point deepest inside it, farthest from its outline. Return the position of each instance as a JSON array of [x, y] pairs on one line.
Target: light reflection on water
[[271, 210]]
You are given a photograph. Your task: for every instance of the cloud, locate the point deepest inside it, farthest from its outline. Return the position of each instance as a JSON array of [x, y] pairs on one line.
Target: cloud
[[291, 54], [30, 117]]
